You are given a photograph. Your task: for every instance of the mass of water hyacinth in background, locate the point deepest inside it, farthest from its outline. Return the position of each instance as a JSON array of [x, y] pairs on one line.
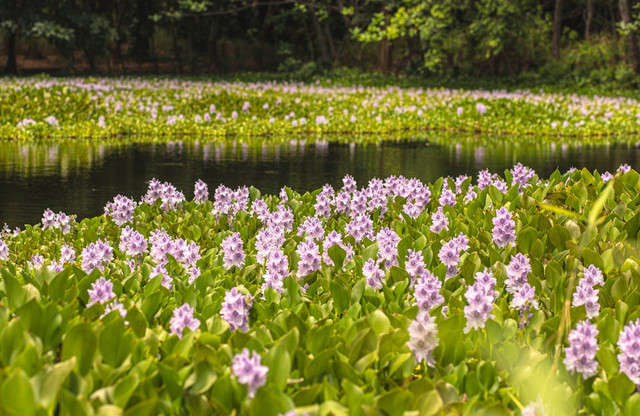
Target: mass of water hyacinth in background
[[94, 107], [508, 294]]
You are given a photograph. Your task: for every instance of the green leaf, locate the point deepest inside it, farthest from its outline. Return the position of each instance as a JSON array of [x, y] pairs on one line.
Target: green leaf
[[379, 322], [279, 363], [17, 395], [337, 255], [270, 401], [124, 389], [598, 205], [340, 296], [116, 343], [80, 342], [16, 295], [52, 380]]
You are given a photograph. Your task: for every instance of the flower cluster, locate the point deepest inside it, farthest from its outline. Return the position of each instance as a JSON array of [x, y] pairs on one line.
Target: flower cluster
[[581, 353], [171, 198], [503, 228], [629, 357], [360, 227], [60, 220], [101, 291], [233, 251], [427, 291], [586, 294], [450, 252], [132, 243], [96, 256], [4, 250], [121, 210], [200, 192], [183, 318], [387, 247], [518, 270], [276, 271], [309, 254], [268, 239], [235, 310], [248, 370], [312, 227], [324, 200], [374, 275], [423, 333], [229, 202], [439, 221], [521, 175], [480, 297]]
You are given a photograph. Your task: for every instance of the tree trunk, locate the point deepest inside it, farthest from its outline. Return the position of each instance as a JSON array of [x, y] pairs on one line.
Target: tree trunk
[[324, 51], [588, 19], [385, 56], [12, 61], [557, 29], [632, 42]]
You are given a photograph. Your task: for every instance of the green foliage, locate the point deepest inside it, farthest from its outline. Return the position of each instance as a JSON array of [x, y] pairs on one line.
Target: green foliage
[[336, 346]]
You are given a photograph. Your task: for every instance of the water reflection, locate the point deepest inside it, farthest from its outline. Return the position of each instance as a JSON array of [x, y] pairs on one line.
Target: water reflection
[[80, 177]]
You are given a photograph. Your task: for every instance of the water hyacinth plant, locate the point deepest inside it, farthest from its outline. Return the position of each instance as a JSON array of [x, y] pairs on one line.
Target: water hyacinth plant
[[518, 295], [164, 106]]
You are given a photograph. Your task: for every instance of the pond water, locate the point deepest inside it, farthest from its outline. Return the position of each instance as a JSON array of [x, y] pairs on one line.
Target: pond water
[[81, 177]]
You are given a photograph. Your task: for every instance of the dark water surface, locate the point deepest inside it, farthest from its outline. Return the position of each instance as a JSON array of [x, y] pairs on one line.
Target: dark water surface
[[81, 177]]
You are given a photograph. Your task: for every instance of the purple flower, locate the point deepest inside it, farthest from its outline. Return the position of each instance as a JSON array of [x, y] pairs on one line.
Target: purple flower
[[4, 251], [629, 345], [523, 300], [427, 292], [268, 239], [360, 227], [423, 333], [517, 272], [309, 254], [193, 272], [439, 221], [414, 265], [277, 270], [481, 108], [67, 254], [503, 228], [449, 254], [233, 251], [101, 291], [581, 353], [248, 370], [324, 201], [96, 256], [606, 177], [312, 227], [374, 275], [171, 198], [200, 192], [588, 296], [132, 243], [235, 310], [624, 168], [480, 297], [387, 246], [348, 184], [521, 175], [183, 318], [447, 197], [121, 210]]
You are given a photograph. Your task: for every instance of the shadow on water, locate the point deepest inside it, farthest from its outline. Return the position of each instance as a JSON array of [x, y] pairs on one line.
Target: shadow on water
[[81, 177]]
